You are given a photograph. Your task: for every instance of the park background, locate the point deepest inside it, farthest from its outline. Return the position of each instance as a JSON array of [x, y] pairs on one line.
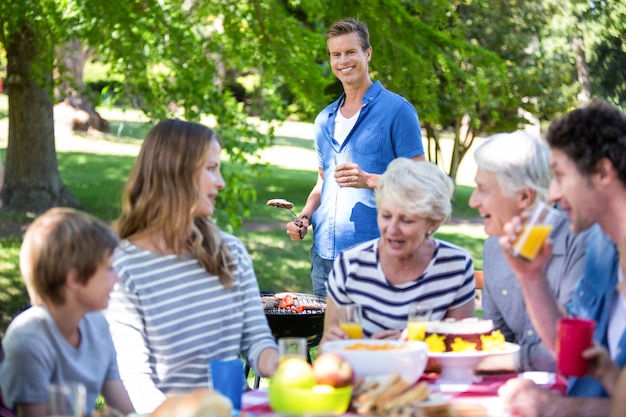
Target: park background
[[86, 79]]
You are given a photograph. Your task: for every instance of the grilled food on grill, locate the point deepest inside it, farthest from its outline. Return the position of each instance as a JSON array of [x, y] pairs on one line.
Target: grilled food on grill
[[291, 301], [269, 302]]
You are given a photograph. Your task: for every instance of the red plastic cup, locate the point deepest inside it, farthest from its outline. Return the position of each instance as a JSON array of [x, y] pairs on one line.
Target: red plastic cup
[[574, 336]]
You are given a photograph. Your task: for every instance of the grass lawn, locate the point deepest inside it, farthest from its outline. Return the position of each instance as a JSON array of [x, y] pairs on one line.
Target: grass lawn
[[95, 168]]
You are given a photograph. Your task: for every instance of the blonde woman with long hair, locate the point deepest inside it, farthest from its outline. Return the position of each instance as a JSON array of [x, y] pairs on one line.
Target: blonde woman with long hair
[[188, 292]]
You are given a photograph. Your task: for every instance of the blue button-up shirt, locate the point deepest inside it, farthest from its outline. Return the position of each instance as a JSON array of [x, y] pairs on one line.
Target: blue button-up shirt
[[592, 299], [387, 127]]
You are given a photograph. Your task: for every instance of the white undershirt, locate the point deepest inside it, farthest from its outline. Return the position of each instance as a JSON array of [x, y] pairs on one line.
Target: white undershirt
[[617, 319], [344, 125]]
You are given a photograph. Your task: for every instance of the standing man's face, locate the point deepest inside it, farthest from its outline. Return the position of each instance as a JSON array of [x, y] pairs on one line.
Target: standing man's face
[[576, 193], [348, 60]]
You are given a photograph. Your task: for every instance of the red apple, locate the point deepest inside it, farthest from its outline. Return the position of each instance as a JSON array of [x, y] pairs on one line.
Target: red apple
[[332, 369]]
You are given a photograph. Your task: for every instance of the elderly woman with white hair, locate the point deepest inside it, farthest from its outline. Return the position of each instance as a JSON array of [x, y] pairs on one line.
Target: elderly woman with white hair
[[513, 174], [406, 264]]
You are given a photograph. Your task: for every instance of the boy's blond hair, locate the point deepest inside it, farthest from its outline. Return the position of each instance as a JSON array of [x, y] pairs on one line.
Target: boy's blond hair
[[58, 241]]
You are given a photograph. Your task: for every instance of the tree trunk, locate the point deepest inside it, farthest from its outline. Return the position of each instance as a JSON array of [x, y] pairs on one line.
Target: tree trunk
[[584, 96], [33, 183], [71, 91], [72, 58], [434, 146], [461, 130]]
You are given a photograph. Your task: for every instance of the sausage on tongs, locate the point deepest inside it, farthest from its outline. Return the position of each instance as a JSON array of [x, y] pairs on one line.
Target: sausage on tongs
[[287, 206]]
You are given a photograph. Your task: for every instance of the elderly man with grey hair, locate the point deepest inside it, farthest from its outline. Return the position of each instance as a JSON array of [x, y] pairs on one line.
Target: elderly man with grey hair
[[513, 173]]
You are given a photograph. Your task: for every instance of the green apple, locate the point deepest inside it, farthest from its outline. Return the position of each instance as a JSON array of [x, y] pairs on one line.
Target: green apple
[[294, 372]]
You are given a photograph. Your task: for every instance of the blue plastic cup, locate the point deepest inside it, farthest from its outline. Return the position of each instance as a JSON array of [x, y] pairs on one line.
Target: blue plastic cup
[[228, 379]]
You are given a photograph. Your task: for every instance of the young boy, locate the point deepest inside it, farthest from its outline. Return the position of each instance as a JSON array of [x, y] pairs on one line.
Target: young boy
[[66, 263]]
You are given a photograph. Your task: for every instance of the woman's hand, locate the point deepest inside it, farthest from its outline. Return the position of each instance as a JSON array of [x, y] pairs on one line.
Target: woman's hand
[[388, 334], [268, 362], [333, 333]]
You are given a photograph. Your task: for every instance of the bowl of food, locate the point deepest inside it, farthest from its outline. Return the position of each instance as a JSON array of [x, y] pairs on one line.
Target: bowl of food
[[319, 400], [374, 357]]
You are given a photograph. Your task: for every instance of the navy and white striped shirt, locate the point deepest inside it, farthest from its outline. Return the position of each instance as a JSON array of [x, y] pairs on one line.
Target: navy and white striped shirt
[[357, 277], [169, 317]]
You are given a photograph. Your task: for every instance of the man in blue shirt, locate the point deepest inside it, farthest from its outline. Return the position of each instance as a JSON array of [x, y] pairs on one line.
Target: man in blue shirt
[[355, 138], [589, 181]]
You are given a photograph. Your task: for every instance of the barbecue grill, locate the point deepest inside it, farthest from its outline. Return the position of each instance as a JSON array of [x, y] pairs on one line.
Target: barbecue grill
[[308, 324], [284, 322]]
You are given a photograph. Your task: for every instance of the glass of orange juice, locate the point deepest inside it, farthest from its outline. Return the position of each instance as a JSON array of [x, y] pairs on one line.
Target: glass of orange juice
[[290, 347], [535, 231], [351, 320], [419, 315]]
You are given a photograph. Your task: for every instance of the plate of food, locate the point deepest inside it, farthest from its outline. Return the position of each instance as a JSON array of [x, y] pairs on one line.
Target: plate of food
[[458, 346], [374, 357], [390, 394]]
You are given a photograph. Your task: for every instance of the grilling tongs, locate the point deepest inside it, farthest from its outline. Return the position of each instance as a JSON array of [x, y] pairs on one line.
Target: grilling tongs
[[287, 206]]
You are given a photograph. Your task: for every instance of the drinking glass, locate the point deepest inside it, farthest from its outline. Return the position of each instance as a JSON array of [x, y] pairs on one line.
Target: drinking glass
[[228, 379], [574, 336], [419, 314], [351, 320], [290, 347], [67, 400], [342, 157], [535, 231]]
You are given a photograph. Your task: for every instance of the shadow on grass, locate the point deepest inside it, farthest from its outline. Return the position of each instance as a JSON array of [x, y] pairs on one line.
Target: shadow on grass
[[460, 205], [294, 142], [279, 263], [128, 132], [13, 295], [96, 180]]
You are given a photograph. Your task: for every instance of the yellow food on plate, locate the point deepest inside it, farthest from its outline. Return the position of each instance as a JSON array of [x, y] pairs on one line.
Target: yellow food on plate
[[365, 346], [435, 343], [460, 345], [494, 341]]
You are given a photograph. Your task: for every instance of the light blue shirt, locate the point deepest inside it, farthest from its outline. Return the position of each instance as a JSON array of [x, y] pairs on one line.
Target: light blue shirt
[[387, 128], [592, 298], [37, 354]]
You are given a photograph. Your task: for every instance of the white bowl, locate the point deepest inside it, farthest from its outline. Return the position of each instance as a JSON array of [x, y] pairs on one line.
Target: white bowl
[[408, 358]]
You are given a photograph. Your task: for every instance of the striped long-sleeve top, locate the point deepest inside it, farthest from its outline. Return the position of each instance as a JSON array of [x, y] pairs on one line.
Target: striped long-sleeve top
[[357, 277], [169, 317]]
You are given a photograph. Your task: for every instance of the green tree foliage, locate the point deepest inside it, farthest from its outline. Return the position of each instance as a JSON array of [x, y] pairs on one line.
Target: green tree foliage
[[606, 22], [172, 56], [470, 66]]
